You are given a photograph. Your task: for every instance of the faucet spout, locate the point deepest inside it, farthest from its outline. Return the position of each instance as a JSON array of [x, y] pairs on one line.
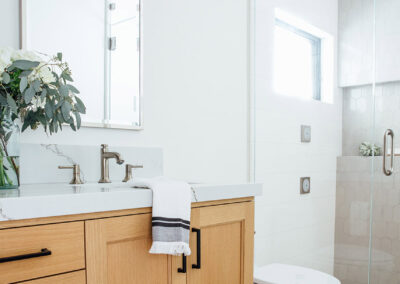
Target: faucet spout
[[114, 155], [105, 155]]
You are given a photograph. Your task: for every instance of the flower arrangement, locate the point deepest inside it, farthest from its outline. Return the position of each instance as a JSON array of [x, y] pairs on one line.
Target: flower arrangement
[[35, 89], [367, 149]]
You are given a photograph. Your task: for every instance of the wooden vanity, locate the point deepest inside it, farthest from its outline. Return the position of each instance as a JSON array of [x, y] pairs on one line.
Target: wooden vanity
[[112, 247]]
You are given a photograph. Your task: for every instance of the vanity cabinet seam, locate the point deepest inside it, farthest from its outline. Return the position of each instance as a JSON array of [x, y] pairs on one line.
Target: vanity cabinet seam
[[47, 276]]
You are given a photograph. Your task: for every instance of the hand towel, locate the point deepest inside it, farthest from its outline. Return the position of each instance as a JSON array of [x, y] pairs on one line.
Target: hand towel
[[171, 215]]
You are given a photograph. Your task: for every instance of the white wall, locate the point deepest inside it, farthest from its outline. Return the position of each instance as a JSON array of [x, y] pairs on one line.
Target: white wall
[[291, 228], [195, 88]]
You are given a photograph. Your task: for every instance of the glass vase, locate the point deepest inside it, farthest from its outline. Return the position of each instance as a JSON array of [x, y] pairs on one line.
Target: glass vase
[[9, 151]]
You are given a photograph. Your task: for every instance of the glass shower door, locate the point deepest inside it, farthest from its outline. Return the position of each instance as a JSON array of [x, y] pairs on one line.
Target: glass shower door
[[385, 215], [355, 172]]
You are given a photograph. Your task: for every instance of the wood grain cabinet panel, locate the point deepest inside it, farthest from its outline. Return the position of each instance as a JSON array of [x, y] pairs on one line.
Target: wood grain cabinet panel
[[227, 237], [77, 277], [65, 241], [115, 249], [118, 252]]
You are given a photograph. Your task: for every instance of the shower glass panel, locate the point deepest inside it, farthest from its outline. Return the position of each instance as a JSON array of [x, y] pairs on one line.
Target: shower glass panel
[[360, 164], [385, 234]]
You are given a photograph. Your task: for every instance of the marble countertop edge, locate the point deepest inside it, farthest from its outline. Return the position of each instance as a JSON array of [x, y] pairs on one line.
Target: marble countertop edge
[[50, 200]]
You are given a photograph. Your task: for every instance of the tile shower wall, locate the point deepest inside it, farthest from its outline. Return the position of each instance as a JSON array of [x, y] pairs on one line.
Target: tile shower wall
[[357, 115], [352, 229], [293, 228]]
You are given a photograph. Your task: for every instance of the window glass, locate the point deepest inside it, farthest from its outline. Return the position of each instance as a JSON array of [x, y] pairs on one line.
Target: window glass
[[297, 62]]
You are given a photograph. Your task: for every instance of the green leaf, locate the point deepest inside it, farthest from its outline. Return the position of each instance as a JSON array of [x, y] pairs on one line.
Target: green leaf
[[28, 94], [51, 126], [25, 73], [10, 68], [59, 117], [56, 76], [55, 126], [78, 119], [6, 78], [64, 91], [66, 109], [66, 76], [80, 106], [72, 126], [49, 110], [43, 94], [36, 85], [42, 119], [51, 91], [25, 125], [59, 56], [73, 89], [59, 104], [23, 84], [8, 136], [3, 99], [25, 64], [12, 104]]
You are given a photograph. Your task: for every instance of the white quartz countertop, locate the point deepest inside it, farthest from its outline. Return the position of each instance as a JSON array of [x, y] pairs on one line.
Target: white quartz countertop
[[46, 200]]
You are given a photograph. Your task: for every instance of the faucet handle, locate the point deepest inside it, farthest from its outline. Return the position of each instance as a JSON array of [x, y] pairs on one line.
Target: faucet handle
[[76, 178], [104, 147], [128, 171]]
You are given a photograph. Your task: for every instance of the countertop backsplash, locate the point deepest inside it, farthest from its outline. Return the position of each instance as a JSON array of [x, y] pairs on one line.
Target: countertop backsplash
[[39, 162]]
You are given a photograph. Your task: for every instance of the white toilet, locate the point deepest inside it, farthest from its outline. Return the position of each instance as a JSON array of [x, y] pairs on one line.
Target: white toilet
[[289, 274]]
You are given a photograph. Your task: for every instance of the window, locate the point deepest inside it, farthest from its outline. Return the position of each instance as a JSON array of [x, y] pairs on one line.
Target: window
[[297, 62]]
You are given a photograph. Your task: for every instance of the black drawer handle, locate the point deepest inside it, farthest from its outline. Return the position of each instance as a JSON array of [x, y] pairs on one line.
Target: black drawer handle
[[183, 269], [43, 252], [198, 240]]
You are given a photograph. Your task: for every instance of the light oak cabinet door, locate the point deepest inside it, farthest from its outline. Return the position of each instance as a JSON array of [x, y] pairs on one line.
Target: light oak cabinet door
[[226, 244], [117, 252], [117, 249]]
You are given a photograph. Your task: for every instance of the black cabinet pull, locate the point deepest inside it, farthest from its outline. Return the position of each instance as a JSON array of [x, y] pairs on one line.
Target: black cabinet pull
[[183, 269], [198, 239], [43, 252]]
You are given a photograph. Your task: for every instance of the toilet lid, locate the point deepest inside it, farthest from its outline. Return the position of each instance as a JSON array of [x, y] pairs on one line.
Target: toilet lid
[[289, 274]]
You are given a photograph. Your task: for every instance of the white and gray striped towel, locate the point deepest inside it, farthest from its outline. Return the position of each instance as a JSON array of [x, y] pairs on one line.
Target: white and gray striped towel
[[171, 215]]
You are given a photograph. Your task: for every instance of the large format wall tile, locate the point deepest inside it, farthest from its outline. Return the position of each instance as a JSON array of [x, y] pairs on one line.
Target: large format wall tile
[[365, 118], [355, 186]]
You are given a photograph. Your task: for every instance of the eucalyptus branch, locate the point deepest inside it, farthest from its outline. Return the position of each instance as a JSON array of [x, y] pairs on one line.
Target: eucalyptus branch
[[4, 88], [14, 165], [44, 98]]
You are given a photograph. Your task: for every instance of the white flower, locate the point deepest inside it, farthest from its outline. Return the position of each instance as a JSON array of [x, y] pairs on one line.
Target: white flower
[[42, 72], [5, 58], [38, 103], [22, 54], [46, 75], [8, 55]]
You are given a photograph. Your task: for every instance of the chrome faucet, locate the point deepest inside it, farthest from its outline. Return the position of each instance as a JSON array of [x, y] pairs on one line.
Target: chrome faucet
[[105, 156]]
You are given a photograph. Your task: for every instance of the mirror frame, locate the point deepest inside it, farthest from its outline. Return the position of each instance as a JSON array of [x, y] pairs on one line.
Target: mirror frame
[[104, 124]]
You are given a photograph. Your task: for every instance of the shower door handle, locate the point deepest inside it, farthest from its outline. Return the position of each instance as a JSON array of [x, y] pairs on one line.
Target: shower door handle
[[390, 133]]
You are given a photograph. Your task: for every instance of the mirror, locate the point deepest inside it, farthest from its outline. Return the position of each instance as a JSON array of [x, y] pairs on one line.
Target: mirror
[[99, 39]]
